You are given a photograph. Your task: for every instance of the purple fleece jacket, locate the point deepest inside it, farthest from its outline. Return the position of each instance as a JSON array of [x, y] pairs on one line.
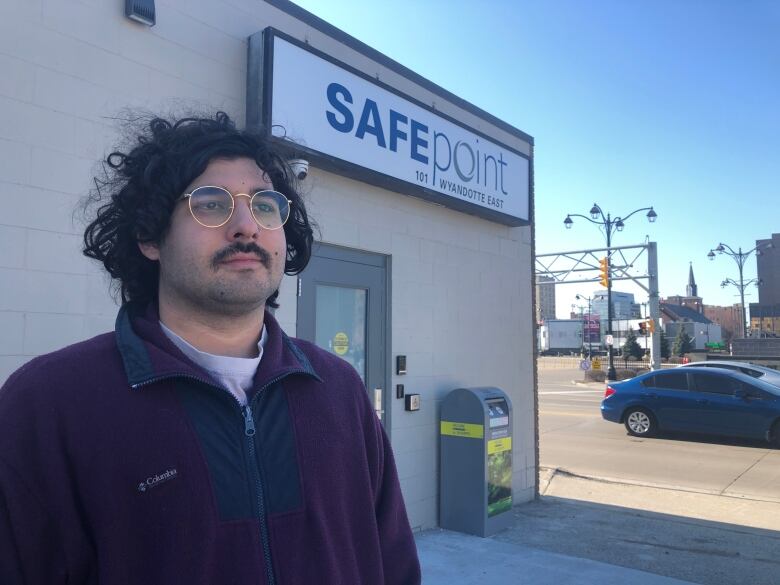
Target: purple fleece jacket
[[122, 462]]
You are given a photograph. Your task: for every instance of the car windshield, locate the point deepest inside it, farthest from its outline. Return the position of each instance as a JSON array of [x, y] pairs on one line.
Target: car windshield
[[742, 366]]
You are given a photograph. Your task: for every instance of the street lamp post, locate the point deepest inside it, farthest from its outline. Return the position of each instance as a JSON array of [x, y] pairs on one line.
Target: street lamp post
[[740, 258], [590, 316], [610, 226], [582, 328]]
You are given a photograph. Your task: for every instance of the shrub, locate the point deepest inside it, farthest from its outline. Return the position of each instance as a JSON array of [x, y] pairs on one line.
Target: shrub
[[624, 374], [595, 376]]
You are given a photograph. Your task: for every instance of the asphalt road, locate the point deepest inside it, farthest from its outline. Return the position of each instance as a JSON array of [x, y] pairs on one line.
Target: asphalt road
[[575, 438]]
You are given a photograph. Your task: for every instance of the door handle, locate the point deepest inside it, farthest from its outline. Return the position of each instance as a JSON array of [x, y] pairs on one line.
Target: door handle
[[703, 401], [378, 403]]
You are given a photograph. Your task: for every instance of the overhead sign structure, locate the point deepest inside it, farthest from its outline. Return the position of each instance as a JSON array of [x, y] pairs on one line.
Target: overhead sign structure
[[364, 128]]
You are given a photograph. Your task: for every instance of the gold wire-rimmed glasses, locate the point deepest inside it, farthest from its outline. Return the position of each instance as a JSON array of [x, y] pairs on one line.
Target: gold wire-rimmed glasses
[[212, 206]]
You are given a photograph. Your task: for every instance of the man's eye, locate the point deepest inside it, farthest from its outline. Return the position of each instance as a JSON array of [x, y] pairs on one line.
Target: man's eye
[[210, 205], [264, 207]]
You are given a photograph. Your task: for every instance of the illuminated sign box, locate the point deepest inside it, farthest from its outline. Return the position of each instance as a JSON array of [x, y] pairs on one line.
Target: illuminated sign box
[[362, 128]]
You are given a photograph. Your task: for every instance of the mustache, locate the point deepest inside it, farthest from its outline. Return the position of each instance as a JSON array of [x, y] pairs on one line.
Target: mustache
[[241, 248]]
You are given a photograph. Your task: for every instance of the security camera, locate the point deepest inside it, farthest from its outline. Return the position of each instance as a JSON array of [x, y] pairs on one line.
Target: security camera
[[300, 168]]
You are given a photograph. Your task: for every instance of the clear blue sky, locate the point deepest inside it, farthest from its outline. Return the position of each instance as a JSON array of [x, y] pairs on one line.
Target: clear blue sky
[[670, 103]]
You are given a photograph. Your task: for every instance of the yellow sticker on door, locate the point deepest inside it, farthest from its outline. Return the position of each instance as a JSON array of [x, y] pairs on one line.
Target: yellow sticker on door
[[340, 343]]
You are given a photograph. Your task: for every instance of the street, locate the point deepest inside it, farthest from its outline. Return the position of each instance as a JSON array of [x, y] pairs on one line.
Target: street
[[702, 509], [575, 438]]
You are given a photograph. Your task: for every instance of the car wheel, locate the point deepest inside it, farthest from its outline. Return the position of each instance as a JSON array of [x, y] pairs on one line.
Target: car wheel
[[639, 422]]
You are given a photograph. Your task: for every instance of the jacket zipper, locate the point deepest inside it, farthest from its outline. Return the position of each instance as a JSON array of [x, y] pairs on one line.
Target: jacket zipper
[[249, 432]]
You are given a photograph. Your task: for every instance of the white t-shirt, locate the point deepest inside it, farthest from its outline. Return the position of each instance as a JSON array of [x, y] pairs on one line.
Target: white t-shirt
[[234, 373]]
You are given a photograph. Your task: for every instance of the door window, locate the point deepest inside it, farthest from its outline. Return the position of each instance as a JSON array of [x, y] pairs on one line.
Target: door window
[[340, 314], [714, 384], [671, 380]]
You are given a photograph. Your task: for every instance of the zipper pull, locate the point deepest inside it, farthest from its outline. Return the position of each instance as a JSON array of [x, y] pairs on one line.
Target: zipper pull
[[249, 423]]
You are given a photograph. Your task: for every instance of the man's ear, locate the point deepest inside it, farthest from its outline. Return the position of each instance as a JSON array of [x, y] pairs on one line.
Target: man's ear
[[150, 249]]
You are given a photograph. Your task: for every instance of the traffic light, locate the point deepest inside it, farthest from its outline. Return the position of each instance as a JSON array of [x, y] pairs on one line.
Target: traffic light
[[651, 326], [643, 328], [604, 272]]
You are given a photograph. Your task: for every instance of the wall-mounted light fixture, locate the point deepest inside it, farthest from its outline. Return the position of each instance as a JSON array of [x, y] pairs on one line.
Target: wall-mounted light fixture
[[141, 11]]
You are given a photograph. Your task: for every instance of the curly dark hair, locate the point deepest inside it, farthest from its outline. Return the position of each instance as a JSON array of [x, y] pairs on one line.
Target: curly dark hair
[[138, 191]]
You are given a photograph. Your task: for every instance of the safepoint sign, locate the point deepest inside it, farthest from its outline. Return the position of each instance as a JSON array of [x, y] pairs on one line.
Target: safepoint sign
[[331, 110]]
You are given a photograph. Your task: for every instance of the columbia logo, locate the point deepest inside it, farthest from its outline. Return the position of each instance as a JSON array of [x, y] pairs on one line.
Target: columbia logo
[[156, 480]]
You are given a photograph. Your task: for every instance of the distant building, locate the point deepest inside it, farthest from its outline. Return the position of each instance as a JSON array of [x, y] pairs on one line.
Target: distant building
[[698, 327], [768, 271], [729, 318], [689, 313], [545, 298], [691, 299], [623, 306], [765, 314], [764, 320]]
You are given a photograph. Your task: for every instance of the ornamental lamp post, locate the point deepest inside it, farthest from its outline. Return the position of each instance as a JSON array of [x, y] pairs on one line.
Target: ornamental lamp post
[[610, 225], [740, 258]]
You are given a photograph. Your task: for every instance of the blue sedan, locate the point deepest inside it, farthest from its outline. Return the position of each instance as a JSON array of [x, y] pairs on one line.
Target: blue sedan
[[709, 400]]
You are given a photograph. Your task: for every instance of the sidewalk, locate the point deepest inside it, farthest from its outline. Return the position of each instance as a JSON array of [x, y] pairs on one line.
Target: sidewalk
[[449, 558], [597, 531]]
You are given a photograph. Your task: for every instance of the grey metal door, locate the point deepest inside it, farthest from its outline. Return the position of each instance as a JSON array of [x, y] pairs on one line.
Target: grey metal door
[[342, 307]]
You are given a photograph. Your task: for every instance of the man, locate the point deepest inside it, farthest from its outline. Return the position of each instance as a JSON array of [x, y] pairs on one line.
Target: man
[[197, 443]]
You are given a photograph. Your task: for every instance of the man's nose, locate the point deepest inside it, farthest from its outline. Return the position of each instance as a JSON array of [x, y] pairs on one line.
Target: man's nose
[[243, 223]]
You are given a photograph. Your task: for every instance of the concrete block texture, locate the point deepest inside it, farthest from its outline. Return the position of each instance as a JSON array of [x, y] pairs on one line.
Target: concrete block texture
[[63, 172], [15, 161], [12, 241], [33, 125], [42, 209], [55, 292], [13, 291], [56, 252], [12, 326], [22, 9], [18, 79], [61, 92], [46, 332]]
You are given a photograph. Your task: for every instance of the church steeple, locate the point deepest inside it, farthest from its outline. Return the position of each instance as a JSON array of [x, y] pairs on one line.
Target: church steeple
[[691, 289]]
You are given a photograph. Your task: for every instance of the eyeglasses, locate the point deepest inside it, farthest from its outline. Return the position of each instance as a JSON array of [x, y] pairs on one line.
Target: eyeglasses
[[213, 207]]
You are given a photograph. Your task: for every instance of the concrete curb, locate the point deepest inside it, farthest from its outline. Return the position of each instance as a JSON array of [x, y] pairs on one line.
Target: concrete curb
[[552, 472], [589, 384], [698, 504]]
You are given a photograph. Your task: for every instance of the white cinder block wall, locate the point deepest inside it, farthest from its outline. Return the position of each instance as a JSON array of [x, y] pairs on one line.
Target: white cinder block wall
[[461, 306], [461, 286], [67, 69]]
